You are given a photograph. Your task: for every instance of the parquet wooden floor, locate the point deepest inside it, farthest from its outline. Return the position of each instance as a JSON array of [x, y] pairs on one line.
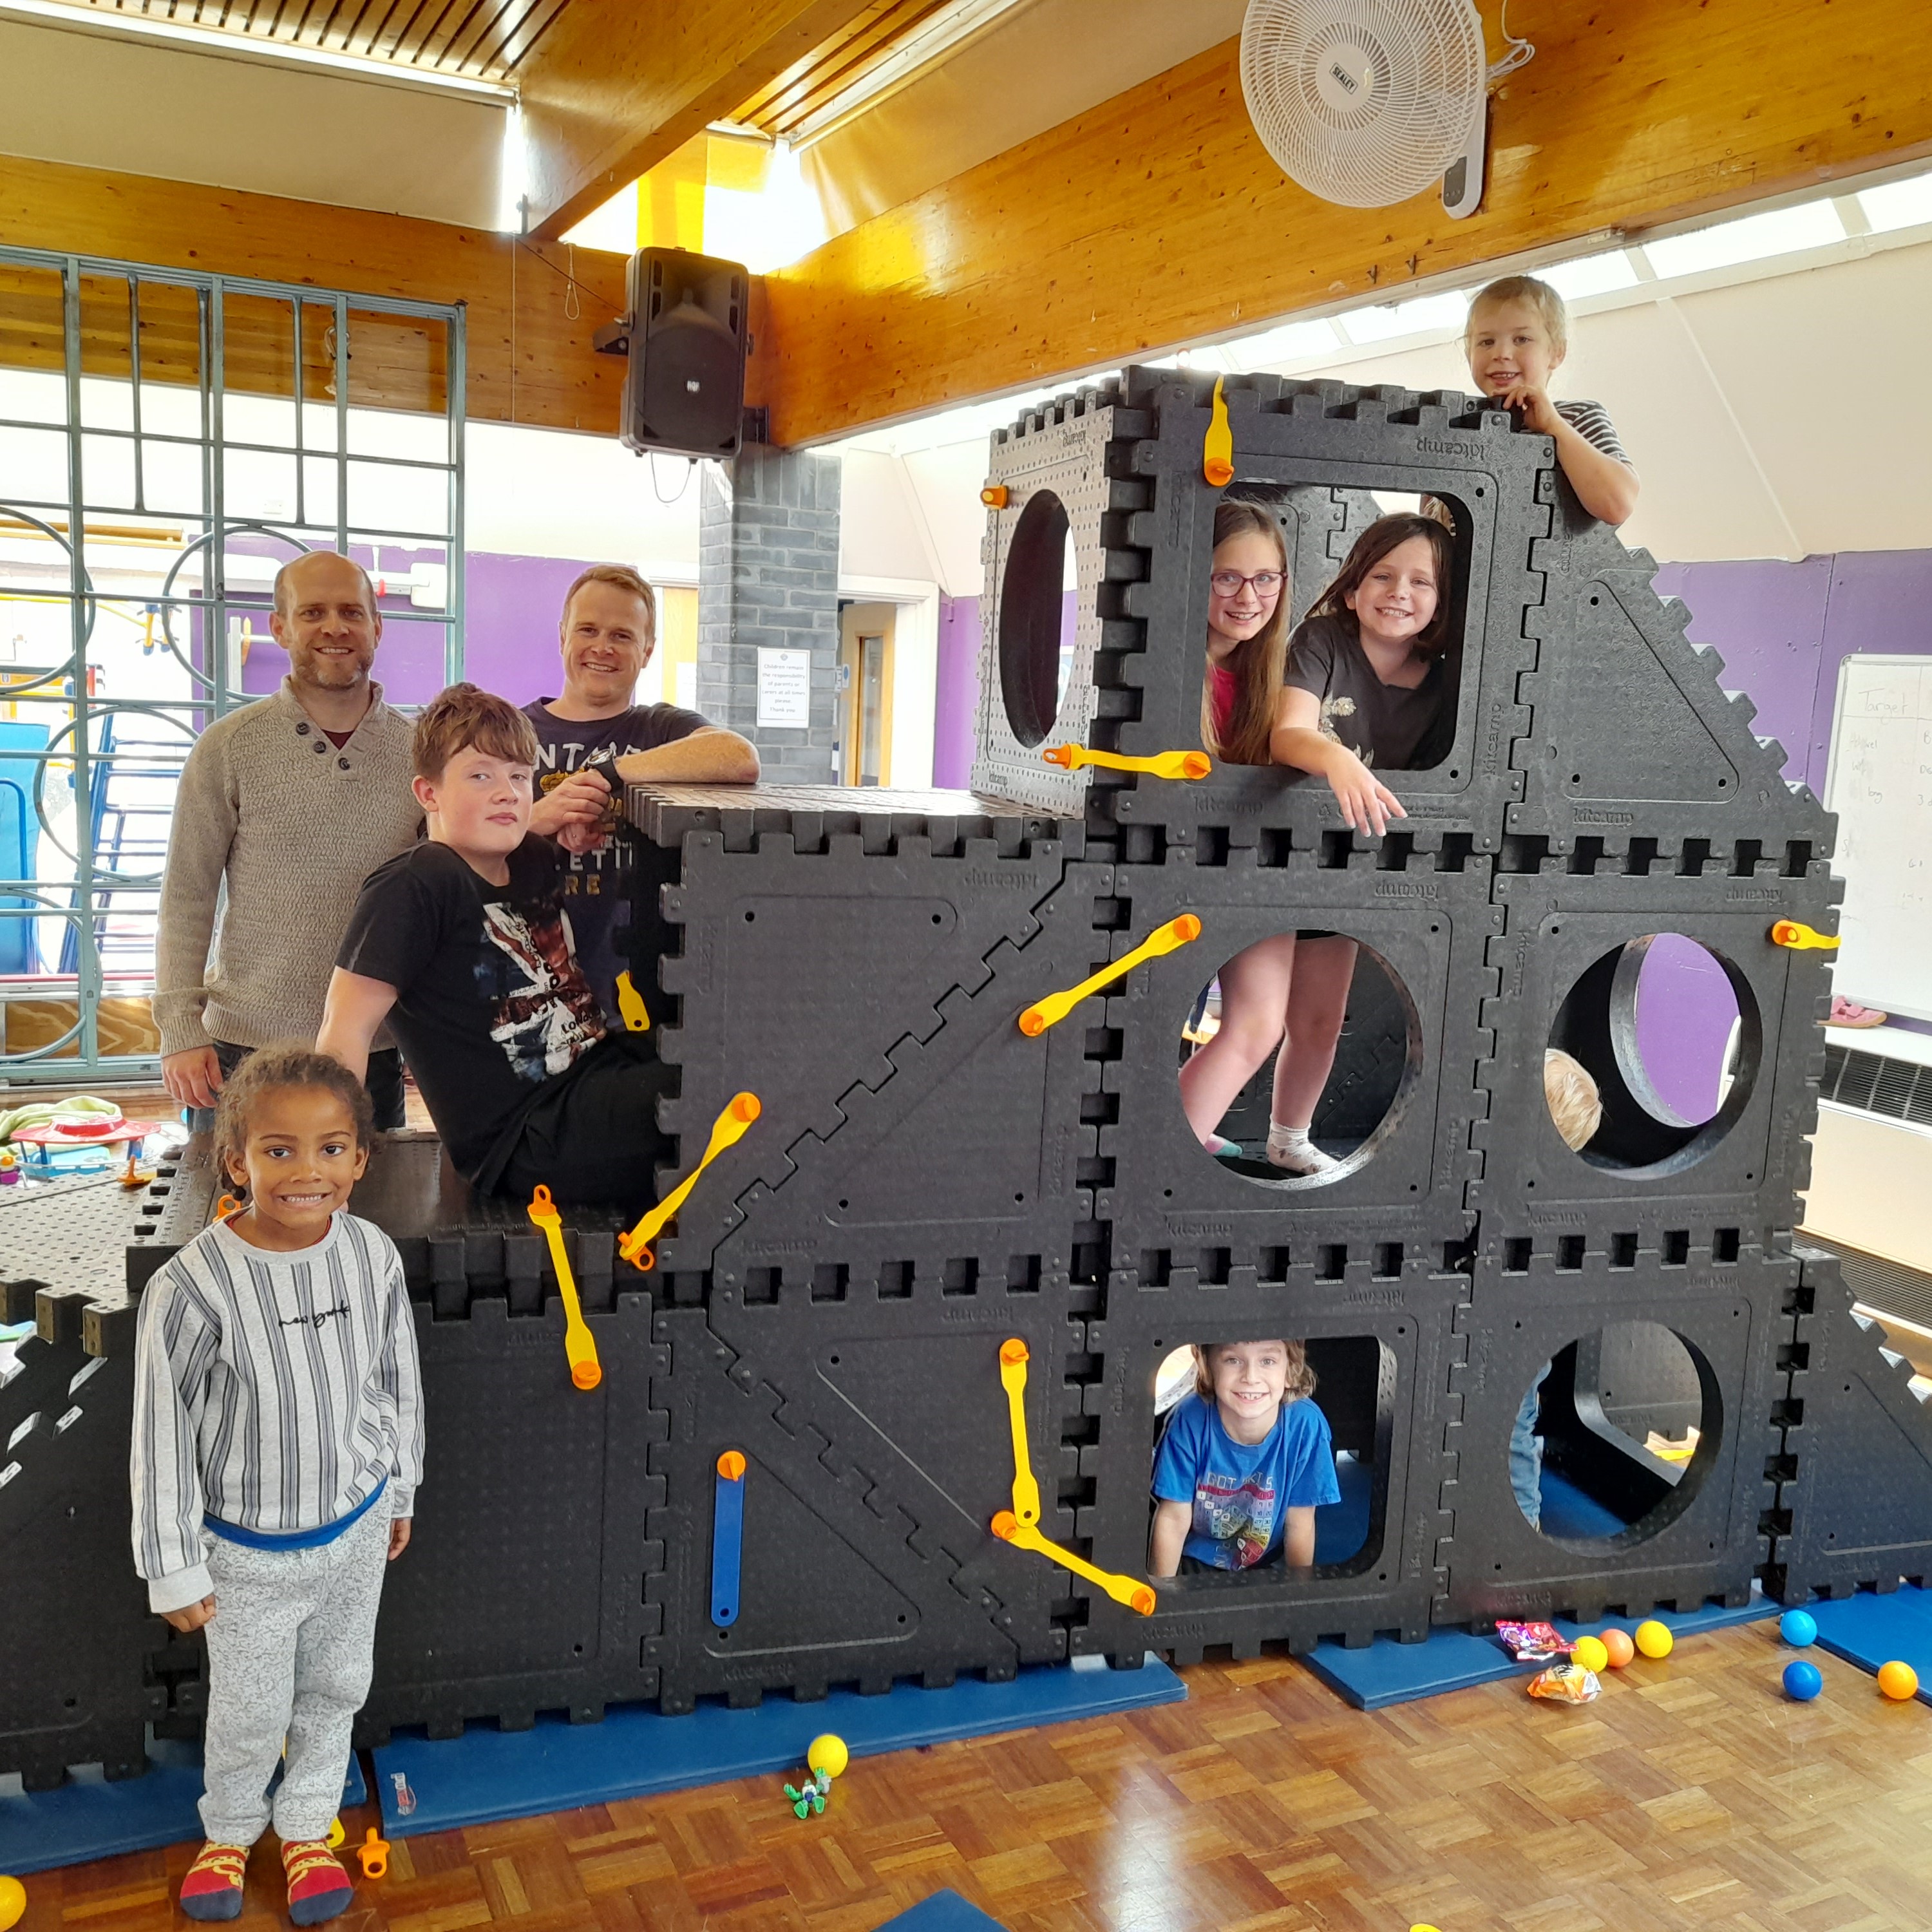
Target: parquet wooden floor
[[1690, 1795]]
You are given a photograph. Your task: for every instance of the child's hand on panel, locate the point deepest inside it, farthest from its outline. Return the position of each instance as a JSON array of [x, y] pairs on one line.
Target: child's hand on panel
[[1539, 412], [1367, 804], [193, 1616]]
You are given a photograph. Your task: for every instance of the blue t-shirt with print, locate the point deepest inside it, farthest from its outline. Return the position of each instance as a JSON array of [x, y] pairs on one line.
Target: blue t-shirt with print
[[1240, 1493]]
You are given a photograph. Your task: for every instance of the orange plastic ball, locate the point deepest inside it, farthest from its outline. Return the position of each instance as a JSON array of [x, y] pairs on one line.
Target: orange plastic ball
[[1617, 1643], [1898, 1681]]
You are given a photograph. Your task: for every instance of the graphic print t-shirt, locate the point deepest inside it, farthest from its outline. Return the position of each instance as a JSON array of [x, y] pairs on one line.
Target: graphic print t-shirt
[[1388, 728], [490, 1005], [598, 886], [1241, 1494]]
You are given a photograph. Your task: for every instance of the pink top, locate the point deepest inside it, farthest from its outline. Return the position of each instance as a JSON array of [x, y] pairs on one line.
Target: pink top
[[1220, 699]]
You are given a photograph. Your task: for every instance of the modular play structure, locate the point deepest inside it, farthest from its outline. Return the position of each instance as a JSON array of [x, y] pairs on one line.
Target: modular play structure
[[876, 1399]]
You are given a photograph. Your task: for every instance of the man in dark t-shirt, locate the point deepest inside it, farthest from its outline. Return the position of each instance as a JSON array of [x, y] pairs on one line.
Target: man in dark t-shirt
[[592, 740]]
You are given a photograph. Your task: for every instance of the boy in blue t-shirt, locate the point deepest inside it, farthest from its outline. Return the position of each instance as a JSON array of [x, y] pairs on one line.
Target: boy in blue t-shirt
[[1246, 1462]]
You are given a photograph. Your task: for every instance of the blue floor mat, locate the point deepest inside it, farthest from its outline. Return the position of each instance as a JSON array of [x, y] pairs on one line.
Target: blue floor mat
[[1869, 1629], [487, 1774], [943, 1912], [1568, 1513], [1388, 1672], [88, 1818]]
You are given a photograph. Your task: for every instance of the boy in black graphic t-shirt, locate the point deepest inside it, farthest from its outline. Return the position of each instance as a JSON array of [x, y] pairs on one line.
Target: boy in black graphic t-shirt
[[464, 945], [593, 739]]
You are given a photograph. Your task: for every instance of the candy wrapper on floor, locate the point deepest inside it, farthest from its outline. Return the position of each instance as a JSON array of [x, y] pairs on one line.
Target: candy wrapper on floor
[[1530, 1643], [1567, 1683]]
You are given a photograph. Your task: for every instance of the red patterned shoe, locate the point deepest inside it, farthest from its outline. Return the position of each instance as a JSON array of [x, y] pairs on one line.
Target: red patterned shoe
[[212, 1886], [318, 1887]]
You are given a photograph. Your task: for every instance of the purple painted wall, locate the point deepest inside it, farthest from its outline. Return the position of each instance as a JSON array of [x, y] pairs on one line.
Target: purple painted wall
[[1783, 628], [510, 609], [957, 696], [1685, 1010]]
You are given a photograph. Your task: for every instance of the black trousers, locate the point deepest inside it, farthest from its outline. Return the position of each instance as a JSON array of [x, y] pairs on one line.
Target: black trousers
[[383, 1081], [595, 1138]]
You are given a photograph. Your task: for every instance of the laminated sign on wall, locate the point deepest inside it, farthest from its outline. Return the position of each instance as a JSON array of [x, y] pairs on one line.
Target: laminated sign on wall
[[784, 689]]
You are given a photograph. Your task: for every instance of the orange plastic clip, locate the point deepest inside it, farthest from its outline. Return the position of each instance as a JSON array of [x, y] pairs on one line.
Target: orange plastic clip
[[1055, 1008], [1192, 765], [740, 1110], [579, 1347], [1217, 451], [996, 496], [1802, 938], [374, 1853]]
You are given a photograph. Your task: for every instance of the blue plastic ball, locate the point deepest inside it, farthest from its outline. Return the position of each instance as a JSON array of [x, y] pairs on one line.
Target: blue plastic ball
[[1798, 1628], [1802, 1682]]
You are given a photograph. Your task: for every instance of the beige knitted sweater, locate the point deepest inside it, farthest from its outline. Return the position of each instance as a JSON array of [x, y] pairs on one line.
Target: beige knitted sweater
[[278, 829]]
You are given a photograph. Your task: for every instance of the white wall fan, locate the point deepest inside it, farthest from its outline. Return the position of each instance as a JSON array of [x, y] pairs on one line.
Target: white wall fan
[[1366, 103]]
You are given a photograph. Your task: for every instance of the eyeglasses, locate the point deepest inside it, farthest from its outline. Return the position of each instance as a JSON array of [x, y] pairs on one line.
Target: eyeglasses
[[1226, 582]]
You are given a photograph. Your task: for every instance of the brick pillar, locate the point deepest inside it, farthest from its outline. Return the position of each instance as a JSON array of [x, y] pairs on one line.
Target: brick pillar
[[768, 578]]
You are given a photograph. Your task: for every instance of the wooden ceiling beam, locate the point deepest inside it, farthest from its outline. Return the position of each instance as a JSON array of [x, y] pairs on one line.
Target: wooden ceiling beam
[[1158, 218], [603, 104]]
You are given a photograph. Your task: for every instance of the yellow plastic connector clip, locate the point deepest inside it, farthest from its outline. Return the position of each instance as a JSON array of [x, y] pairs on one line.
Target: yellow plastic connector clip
[[1802, 938], [1020, 1524], [580, 1345], [1055, 1008], [1191, 765], [727, 1131], [631, 1007], [1217, 449]]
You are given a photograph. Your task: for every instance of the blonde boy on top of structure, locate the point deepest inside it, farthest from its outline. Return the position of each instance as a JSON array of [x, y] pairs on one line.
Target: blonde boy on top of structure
[[1515, 338]]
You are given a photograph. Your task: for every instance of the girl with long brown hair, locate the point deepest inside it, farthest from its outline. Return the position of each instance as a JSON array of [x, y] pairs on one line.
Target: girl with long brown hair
[[1365, 688]]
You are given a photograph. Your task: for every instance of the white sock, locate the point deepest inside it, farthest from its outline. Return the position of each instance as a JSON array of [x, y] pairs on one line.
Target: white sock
[[1288, 1140]]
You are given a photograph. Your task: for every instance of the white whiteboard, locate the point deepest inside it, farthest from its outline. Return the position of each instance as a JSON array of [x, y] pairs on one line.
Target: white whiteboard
[[1880, 783]]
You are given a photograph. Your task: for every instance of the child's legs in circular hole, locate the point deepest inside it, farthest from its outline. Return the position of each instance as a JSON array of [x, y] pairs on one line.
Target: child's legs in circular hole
[[1318, 1001], [1254, 1009]]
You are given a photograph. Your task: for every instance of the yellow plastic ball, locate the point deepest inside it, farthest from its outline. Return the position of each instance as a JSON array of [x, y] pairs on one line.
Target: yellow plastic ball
[[1590, 1653], [1898, 1681], [1653, 1639], [13, 1902], [827, 1753]]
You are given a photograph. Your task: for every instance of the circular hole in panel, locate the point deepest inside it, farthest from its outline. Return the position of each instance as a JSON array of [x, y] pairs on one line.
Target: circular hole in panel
[[1613, 1438], [1039, 597], [1318, 1019], [1667, 1033]]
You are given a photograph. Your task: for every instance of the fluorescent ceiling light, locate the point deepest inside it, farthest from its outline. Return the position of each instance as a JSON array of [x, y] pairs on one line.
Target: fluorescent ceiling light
[[1428, 315], [1590, 275], [1899, 204], [1813, 224]]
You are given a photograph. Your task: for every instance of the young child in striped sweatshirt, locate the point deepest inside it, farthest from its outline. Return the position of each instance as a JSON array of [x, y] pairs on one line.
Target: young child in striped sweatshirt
[[277, 1445]]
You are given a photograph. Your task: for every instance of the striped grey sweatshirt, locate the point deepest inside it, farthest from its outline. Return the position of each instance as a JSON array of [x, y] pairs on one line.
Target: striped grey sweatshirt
[[274, 1391]]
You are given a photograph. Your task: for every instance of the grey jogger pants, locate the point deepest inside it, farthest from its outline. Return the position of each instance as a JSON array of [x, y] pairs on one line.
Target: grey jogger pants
[[289, 1652]]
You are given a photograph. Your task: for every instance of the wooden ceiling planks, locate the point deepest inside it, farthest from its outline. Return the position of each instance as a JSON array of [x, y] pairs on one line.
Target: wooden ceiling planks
[[805, 87], [480, 39], [1158, 218], [601, 106]]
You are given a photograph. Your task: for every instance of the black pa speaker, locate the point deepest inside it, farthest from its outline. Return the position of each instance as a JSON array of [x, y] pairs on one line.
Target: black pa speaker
[[684, 387]]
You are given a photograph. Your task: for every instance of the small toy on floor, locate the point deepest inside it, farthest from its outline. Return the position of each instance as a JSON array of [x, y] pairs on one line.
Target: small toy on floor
[[825, 1757], [12, 1901], [1897, 1681], [1802, 1682]]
